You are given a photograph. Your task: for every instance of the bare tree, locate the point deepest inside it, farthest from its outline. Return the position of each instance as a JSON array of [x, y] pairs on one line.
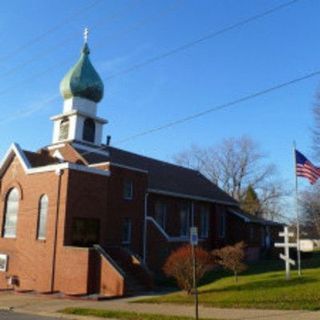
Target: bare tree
[[310, 216], [316, 128], [233, 165]]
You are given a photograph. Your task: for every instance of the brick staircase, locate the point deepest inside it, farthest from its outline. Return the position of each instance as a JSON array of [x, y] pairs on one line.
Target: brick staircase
[[137, 277]]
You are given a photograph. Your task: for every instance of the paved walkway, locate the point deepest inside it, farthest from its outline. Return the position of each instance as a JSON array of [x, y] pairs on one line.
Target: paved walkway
[[47, 306]]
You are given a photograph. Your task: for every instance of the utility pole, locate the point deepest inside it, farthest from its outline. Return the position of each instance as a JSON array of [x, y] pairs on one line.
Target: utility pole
[[194, 242]]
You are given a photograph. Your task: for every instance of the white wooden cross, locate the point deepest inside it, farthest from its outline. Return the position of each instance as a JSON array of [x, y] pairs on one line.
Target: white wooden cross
[[286, 245]]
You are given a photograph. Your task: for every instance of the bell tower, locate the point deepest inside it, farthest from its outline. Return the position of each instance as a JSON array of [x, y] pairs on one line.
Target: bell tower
[[82, 89]]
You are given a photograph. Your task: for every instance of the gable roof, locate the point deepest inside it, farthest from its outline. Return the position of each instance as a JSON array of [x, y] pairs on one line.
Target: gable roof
[[164, 177]]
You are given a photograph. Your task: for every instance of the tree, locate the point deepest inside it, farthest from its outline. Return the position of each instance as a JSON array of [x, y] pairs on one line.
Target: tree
[[310, 213], [235, 164], [231, 258], [251, 203], [316, 128], [179, 266]]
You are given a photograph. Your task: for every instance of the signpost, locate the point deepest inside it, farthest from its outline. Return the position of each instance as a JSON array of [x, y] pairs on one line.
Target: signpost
[[194, 242], [286, 245]]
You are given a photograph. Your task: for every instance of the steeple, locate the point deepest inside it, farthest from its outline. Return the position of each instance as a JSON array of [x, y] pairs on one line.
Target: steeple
[[81, 89], [82, 80]]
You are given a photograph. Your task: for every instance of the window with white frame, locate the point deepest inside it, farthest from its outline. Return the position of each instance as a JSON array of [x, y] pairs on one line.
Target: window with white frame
[[204, 222], [160, 213], [11, 213], [222, 224], [127, 231], [127, 190], [42, 218], [184, 220]]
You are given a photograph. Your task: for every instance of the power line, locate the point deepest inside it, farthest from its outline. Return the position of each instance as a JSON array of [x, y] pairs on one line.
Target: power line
[[204, 38], [222, 106], [171, 52], [66, 41], [104, 43], [51, 30]]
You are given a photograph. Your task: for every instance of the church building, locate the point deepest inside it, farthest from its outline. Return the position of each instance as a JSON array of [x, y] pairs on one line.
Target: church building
[[81, 217]]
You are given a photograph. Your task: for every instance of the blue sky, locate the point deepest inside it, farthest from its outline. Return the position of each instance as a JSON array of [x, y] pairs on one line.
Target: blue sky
[[271, 50]]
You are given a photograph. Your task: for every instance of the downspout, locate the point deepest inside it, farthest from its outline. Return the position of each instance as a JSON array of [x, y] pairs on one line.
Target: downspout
[[145, 228], [59, 173], [192, 214]]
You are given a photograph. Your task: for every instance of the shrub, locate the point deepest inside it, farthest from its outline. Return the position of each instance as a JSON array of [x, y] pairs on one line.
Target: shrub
[[231, 258], [179, 266]]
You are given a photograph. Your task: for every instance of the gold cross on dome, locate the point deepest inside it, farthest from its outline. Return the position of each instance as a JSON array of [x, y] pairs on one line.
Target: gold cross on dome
[[85, 34]]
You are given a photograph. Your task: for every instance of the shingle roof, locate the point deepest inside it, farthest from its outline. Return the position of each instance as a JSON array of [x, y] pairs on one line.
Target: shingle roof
[[164, 176], [39, 159]]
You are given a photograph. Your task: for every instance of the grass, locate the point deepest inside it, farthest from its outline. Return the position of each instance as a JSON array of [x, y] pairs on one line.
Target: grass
[[124, 315], [261, 286]]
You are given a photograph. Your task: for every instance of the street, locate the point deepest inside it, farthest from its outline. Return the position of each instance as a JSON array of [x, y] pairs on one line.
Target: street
[[9, 315]]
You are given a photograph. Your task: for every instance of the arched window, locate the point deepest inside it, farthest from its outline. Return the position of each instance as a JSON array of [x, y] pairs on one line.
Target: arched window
[[64, 129], [89, 129], [11, 213], [42, 219]]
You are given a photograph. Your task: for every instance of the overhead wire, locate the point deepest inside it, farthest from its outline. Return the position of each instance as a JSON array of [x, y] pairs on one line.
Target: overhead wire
[[176, 50], [68, 40], [41, 36], [126, 31]]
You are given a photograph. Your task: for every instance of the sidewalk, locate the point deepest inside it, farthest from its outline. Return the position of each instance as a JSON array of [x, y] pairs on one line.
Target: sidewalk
[[47, 306]]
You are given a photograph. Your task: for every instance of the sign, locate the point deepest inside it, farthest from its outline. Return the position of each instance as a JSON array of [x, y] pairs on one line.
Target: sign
[[3, 262], [194, 236]]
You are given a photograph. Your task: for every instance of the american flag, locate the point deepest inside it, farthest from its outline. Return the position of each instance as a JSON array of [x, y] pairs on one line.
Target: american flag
[[305, 168]]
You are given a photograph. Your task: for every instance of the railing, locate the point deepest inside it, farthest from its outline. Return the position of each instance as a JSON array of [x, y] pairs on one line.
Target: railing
[[106, 256], [165, 235]]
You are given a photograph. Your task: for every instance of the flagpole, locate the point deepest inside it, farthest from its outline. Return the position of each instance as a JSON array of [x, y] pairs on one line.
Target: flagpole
[[297, 210]]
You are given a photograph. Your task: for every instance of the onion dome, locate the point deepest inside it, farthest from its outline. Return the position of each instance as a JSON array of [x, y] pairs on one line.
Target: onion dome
[[82, 80]]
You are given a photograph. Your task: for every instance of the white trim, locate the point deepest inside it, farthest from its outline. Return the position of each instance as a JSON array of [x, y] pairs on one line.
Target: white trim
[[16, 150], [76, 112], [99, 164], [167, 237], [127, 167], [187, 196], [57, 154], [87, 148], [56, 146], [238, 214]]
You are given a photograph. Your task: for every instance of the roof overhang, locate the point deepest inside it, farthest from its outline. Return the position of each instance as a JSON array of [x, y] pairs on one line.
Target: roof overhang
[[15, 150], [191, 197]]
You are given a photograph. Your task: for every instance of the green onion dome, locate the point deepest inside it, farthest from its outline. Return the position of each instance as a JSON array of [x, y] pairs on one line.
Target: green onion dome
[[82, 80]]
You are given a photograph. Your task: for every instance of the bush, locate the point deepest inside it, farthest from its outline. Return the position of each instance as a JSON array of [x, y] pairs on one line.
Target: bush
[[179, 266], [231, 258]]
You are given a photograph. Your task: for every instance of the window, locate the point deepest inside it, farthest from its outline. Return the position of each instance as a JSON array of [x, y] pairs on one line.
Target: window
[[222, 225], [128, 190], [127, 230], [89, 129], [184, 220], [11, 214], [42, 219], [160, 214], [64, 129], [85, 232], [204, 222]]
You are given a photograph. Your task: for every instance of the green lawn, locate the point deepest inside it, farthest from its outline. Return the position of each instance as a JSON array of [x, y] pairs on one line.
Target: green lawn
[[261, 286], [123, 315]]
